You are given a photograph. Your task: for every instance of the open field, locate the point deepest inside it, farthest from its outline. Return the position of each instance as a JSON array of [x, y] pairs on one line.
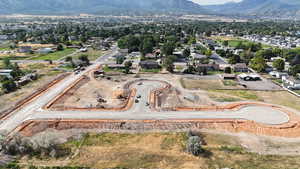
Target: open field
[[208, 83], [233, 41], [283, 98], [55, 55], [92, 54], [203, 85], [166, 150]]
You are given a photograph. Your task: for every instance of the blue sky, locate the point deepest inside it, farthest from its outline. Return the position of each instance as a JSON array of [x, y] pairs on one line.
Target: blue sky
[[210, 2]]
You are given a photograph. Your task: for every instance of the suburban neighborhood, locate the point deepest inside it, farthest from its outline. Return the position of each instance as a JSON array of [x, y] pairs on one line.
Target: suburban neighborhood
[[154, 91]]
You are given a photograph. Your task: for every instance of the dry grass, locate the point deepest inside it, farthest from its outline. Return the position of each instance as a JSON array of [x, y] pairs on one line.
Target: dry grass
[[92, 54], [165, 150], [281, 98], [201, 84]]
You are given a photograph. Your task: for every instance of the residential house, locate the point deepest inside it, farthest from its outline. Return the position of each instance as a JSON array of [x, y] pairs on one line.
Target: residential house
[[25, 49], [240, 67], [197, 56], [150, 56], [5, 72], [149, 64], [45, 50], [209, 67], [123, 51]]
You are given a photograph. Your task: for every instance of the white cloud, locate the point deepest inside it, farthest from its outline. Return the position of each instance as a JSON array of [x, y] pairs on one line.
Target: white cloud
[[211, 2]]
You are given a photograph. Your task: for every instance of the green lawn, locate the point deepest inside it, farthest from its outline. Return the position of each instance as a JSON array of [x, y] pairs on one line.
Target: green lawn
[[234, 43], [14, 57], [150, 70], [297, 91], [4, 48], [55, 55], [107, 69], [230, 83], [244, 94]]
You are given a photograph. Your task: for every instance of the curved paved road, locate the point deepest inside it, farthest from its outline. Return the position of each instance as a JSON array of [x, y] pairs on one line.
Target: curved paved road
[[139, 111]]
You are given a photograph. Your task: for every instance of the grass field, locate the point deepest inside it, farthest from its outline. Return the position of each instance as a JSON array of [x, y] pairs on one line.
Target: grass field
[[163, 150], [201, 84], [54, 56], [233, 42], [92, 54], [283, 98], [150, 70]]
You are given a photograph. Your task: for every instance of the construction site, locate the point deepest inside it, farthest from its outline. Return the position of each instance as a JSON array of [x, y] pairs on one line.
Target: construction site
[[142, 102]]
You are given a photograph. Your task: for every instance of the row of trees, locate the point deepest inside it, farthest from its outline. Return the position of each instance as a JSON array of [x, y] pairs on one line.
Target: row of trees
[[8, 83]]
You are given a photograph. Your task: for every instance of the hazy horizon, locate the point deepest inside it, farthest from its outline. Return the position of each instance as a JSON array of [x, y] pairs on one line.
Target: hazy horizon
[[213, 2]]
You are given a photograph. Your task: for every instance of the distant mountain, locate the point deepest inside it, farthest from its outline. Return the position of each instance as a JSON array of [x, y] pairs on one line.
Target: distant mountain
[[99, 6], [263, 8]]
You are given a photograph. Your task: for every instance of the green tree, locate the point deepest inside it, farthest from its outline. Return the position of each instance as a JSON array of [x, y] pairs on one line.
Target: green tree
[[294, 70], [70, 59], [192, 40], [258, 63], [225, 43], [9, 86], [84, 58], [227, 70], [169, 63], [7, 63], [120, 60], [246, 56], [60, 47], [267, 53], [234, 59], [16, 71], [194, 145], [186, 53], [168, 48], [208, 53], [128, 66], [147, 46], [279, 64]]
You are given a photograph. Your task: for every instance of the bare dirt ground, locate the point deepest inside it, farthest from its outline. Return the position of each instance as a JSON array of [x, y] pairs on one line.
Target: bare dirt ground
[[110, 87]]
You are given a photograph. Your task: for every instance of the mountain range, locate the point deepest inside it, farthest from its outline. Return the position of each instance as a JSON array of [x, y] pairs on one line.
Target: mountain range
[[260, 8], [257, 8], [99, 6]]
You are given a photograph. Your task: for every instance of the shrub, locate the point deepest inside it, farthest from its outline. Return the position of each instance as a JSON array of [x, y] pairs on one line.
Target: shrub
[[194, 145]]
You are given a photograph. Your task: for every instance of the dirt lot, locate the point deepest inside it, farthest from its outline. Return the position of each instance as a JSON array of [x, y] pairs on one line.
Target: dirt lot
[[167, 150], [88, 93]]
